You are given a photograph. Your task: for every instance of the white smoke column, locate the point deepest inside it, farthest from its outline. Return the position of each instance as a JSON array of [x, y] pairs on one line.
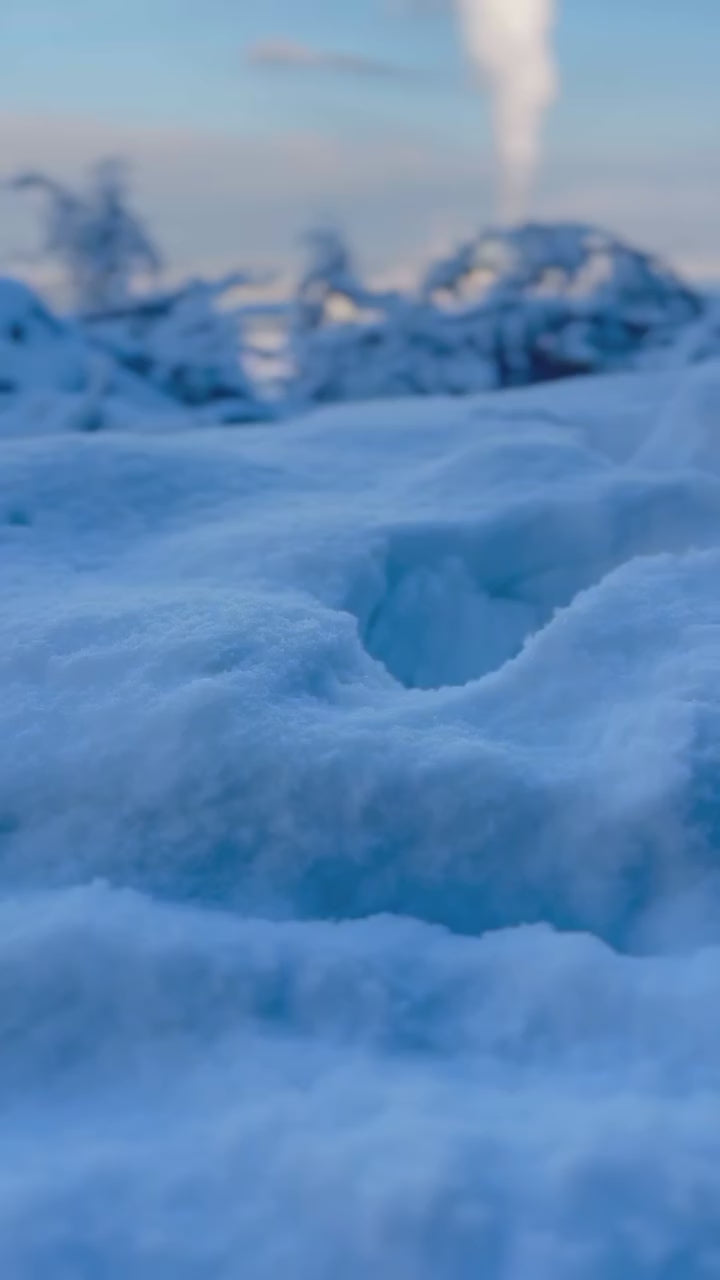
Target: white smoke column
[[509, 42]]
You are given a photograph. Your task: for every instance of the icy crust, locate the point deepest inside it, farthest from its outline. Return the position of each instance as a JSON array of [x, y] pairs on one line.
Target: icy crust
[[360, 906]]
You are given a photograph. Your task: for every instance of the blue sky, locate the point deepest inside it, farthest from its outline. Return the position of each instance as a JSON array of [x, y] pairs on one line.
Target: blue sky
[[232, 158]]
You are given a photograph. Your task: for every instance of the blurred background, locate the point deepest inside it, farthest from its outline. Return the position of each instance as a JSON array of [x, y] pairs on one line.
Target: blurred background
[[246, 122], [252, 208]]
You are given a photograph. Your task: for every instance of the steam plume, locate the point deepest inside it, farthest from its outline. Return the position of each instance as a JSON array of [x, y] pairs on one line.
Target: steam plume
[[509, 42]]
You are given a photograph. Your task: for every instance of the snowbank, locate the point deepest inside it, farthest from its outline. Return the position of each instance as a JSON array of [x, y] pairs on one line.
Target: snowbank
[[360, 908]]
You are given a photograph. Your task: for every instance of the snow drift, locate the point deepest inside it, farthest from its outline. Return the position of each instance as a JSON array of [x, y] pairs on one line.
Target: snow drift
[[359, 835]]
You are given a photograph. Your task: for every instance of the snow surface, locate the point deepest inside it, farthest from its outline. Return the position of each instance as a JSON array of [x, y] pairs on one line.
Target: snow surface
[[359, 818]]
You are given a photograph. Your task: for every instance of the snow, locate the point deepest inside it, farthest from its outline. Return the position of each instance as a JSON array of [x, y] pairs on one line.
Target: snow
[[179, 347], [511, 307], [186, 347], [37, 351], [360, 910]]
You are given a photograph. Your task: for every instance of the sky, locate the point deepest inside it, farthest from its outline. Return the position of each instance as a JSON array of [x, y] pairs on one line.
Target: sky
[[246, 121]]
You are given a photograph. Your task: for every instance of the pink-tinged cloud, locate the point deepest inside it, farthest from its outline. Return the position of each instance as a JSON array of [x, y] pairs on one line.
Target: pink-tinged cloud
[[291, 55]]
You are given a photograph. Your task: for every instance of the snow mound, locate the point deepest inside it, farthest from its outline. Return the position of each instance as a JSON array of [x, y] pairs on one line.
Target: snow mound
[[359, 830], [173, 360], [37, 351], [54, 379]]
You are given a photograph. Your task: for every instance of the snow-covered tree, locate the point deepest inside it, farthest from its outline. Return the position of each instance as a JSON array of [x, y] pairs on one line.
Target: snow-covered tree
[[330, 289], [101, 243], [508, 308], [187, 344], [349, 341], [184, 342], [564, 298]]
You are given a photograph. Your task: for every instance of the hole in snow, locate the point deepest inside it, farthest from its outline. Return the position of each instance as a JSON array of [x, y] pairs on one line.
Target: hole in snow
[[430, 611], [436, 626], [444, 605]]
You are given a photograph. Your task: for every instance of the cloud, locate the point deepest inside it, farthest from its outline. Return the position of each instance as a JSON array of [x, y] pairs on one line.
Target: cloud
[[292, 55]]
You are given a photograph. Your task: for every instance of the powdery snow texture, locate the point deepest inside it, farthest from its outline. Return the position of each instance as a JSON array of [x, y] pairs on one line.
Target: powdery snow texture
[[359, 821]]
